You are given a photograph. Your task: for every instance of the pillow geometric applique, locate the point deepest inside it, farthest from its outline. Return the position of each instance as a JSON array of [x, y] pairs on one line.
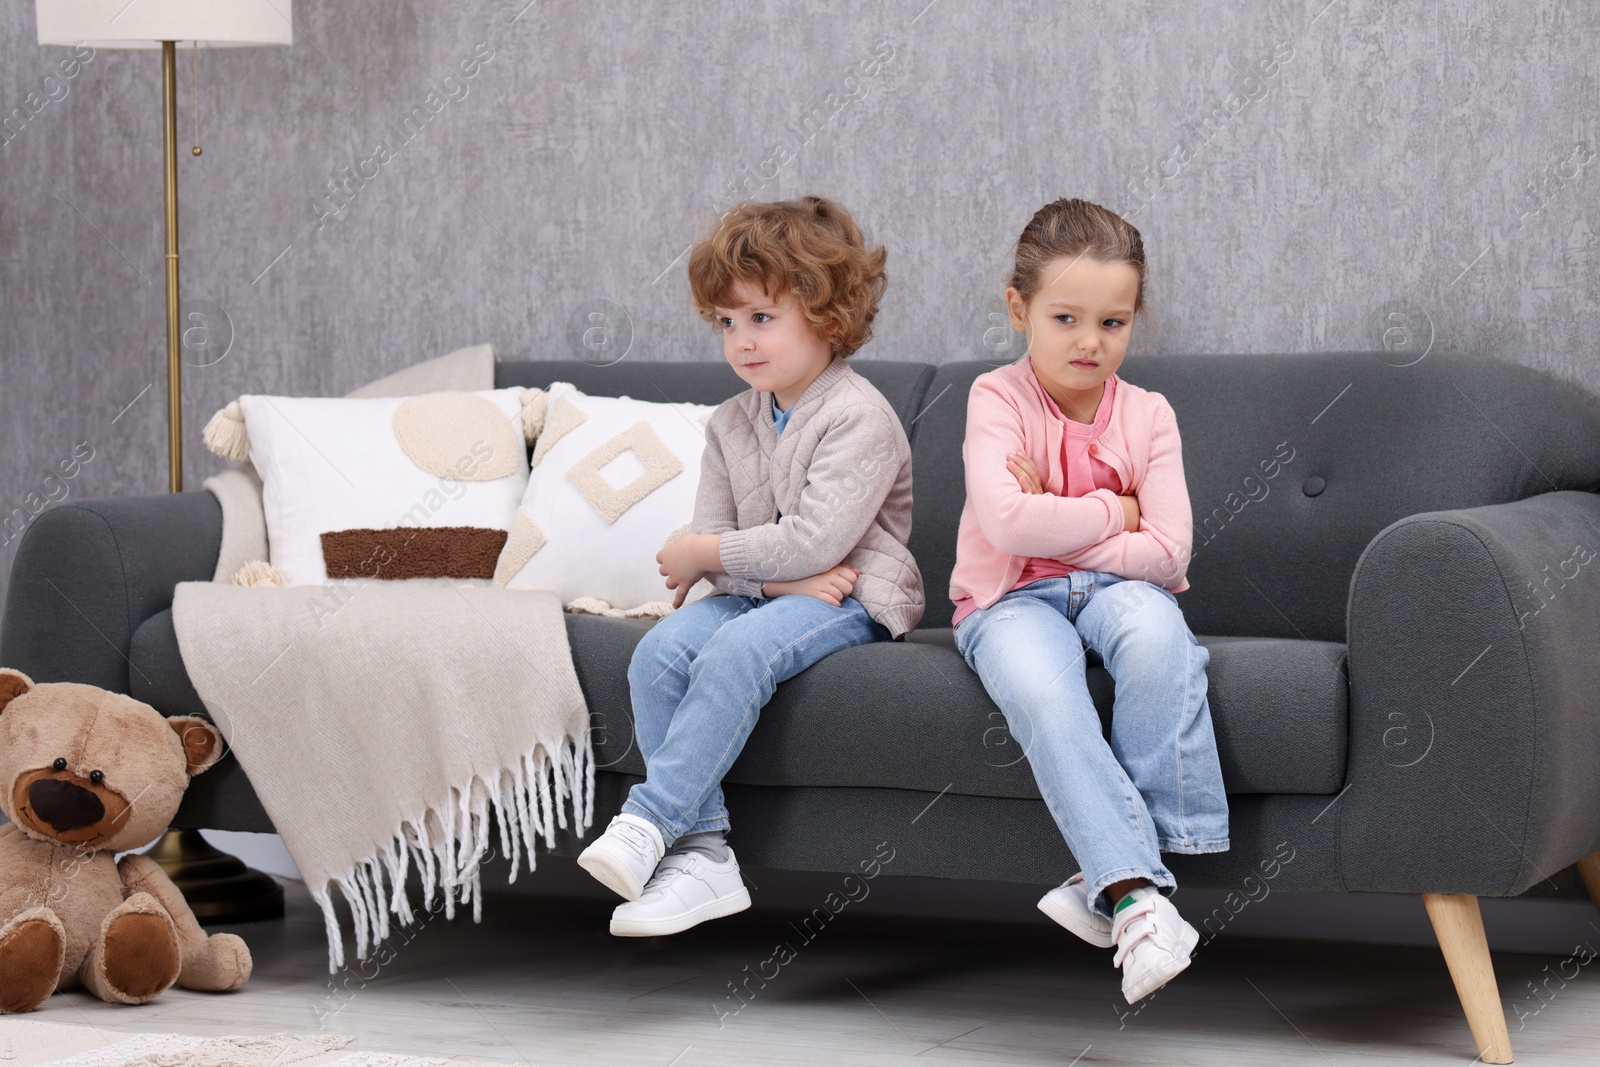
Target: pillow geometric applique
[[612, 480], [389, 487]]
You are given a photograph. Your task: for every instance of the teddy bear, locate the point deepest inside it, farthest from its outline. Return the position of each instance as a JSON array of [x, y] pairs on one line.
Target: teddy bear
[[85, 774]]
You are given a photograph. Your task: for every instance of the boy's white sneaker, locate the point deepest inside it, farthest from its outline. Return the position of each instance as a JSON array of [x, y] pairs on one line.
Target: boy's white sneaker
[[686, 890], [623, 858], [1153, 943], [1068, 904]]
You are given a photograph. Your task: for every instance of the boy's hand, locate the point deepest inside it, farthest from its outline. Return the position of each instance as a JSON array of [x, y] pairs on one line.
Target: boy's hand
[[1023, 470], [687, 560], [830, 587]]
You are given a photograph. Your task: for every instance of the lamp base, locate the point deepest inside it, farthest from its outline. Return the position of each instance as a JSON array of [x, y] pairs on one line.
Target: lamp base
[[220, 889]]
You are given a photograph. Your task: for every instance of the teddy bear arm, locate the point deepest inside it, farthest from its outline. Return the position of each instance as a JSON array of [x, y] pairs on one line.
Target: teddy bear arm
[[214, 963]]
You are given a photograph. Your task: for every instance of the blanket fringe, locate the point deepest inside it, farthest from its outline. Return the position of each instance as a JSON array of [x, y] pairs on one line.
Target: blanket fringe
[[449, 843]]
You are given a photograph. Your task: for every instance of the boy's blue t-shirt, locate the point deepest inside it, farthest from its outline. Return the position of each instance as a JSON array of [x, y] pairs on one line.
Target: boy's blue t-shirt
[[780, 419]]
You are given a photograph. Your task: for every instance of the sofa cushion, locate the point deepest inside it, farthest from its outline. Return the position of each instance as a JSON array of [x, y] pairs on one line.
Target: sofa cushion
[[911, 715]]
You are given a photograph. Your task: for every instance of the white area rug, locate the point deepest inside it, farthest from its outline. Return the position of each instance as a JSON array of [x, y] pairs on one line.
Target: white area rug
[[31, 1044]]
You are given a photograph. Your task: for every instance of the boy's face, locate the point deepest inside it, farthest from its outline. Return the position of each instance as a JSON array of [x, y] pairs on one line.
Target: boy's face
[[1077, 326], [770, 343]]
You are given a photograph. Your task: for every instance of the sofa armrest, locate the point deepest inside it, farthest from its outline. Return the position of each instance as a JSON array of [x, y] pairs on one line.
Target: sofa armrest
[[1474, 706], [87, 574]]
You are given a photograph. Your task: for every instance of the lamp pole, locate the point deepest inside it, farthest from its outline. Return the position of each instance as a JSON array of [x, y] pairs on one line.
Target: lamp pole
[[169, 93]]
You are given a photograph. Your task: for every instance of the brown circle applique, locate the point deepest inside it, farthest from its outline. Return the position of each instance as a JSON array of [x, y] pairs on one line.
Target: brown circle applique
[[458, 436]]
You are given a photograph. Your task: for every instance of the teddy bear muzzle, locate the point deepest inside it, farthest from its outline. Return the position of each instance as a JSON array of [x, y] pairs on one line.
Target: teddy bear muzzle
[[68, 808], [63, 805]]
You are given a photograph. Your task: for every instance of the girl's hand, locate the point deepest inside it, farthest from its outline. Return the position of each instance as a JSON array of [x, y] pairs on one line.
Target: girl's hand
[[1027, 476], [687, 560], [1130, 513], [830, 587]]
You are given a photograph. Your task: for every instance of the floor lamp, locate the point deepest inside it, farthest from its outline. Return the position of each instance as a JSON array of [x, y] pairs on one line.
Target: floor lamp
[[219, 888]]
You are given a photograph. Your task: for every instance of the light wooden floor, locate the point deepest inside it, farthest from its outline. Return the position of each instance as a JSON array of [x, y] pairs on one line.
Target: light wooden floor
[[542, 982]]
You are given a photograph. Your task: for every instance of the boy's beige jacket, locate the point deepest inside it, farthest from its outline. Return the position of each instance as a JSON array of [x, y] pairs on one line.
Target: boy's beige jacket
[[834, 488]]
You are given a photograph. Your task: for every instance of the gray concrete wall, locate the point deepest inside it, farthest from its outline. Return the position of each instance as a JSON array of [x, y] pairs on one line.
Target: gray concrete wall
[[1301, 174]]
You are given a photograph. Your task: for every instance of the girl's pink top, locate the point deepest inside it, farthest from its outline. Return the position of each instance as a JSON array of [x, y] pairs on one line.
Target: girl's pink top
[[1082, 471], [1077, 523]]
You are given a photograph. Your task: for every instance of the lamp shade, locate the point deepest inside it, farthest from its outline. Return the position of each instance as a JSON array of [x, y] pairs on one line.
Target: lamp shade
[[146, 23]]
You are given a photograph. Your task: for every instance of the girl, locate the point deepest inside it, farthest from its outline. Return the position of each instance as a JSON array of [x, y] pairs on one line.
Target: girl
[[800, 521], [1075, 534]]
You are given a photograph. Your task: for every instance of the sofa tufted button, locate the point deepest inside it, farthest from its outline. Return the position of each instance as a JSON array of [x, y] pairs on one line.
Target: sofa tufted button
[[1313, 486]]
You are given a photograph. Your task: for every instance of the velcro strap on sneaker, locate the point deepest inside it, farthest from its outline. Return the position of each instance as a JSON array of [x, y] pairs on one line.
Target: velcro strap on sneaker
[[1138, 916]]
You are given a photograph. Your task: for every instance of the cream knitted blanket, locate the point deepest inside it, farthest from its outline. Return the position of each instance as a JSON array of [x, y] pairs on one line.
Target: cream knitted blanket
[[386, 724]]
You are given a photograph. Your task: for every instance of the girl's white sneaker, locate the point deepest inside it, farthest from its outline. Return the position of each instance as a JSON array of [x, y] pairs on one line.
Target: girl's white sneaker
[[622, 858], [686, 890], [1153, 943], [1068, 904]]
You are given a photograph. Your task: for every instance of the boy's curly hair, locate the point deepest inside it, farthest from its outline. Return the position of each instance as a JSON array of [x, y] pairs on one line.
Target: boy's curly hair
[[811, 247]]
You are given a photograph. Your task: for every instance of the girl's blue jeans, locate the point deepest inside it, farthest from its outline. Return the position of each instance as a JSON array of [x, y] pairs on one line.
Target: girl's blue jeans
[[1157, 786], [698, 681]]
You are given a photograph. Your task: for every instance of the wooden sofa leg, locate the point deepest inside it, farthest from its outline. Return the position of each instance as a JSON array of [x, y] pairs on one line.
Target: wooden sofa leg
[[1458, 924], [1589, 867]]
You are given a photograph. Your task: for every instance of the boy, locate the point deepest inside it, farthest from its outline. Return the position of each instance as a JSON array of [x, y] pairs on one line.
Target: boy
[[800, 522]]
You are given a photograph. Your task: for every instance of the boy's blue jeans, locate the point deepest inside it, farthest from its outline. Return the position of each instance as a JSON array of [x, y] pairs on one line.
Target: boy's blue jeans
[[1158, 784], [698, 681]]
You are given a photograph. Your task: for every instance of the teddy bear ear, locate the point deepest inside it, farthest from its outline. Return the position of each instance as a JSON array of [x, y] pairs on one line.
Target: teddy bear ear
[[202, 744], [12, 685]]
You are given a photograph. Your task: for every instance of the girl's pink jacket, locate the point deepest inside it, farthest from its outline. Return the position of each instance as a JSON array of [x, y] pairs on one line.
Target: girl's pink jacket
[[1001, 525]]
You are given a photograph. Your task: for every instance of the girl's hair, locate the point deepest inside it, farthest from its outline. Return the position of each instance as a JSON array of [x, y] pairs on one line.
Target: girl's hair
[[811, 247], [1075, 228]]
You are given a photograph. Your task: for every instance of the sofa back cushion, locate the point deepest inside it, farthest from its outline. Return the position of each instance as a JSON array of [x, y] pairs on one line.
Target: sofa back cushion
[[1294, 464]]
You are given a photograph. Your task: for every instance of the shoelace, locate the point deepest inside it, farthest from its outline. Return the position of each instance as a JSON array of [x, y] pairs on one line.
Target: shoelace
[[633, 837], [1138, 926], [673, 866]]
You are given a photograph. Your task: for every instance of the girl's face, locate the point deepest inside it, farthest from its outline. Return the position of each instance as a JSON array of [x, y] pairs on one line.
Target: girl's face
[[770, 343], [1077, 327]]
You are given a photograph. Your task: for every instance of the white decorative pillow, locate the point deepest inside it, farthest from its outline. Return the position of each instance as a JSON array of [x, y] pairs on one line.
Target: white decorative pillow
[[613, 480], [393, 487]]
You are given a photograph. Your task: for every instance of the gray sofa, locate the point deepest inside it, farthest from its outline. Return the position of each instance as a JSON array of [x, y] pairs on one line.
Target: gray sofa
[[1393, 572]]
